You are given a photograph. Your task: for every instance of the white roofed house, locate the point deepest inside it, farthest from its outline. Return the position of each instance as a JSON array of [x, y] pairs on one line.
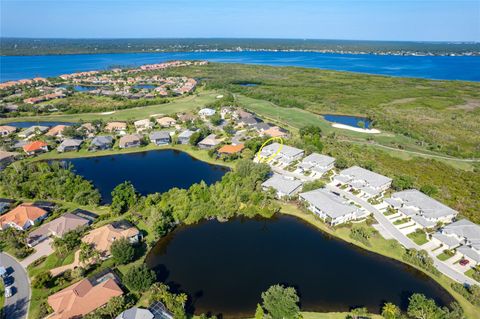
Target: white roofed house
[[32, 131], [317, 164], [206, 112], [423, 210], [464, 236], [283, 186], [142, 125], [184, 137], [69, 144], [101, 142], [285, 154], [368, 183], [331, 208], [209, 142], [160, 137]]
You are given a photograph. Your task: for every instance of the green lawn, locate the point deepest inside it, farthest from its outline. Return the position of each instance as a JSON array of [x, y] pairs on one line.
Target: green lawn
[[419, 237], [402, 221], [52, 261], [2, 297], [444, 256]]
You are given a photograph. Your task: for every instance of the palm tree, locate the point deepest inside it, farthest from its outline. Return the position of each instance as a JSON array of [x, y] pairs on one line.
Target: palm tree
[[390, 311]]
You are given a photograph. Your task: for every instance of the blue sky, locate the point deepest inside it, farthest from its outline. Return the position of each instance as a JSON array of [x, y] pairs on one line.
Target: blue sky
[[419, 20]]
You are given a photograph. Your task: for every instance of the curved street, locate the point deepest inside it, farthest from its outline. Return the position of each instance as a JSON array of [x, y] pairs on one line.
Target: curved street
[[16, 307]]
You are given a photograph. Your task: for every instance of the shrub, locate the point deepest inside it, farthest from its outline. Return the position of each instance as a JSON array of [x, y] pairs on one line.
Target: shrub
[[139, 278], [122, 251]]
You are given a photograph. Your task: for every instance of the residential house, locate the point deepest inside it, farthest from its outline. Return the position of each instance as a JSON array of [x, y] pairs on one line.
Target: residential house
[[209, 142], [462, 235], [425, 211], [369, 184], [282, 154], [186, 117], [275, 131], [130, 140], [6, 158], [69, 144], [231, 149], [82, 298], [136, 313], [22, 217], [247, 121], [166, 121], [142, 125], [226, 112], [239, 113], [206, 112], [160, 311], [56, 131], [88, 128], [317, 164], [116, 127], [6, 130], [160, 137], [184, 137], [283, 186], [100, 143], [261, 127], [35, 147], [33, 131], [103, 237], [57, 228], [331, 208]]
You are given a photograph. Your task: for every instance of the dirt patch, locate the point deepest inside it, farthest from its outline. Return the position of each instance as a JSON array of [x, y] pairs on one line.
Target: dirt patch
[[470, 105]]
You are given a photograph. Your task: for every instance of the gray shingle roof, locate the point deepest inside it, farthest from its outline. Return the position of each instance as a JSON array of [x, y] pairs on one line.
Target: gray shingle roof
[[136, 313], [285, 150], [102, 140], [159, 135], [316, 160], [281, 184], [370, 178], [428, 206], [332, 205], [464, 229]]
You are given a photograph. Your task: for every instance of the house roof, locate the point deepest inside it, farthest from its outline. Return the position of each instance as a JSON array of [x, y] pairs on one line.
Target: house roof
[[282, 184], [56, 130], [166, 121], [186, 134], [7, 128], [102, 140], [21, 214], [115, 126], [450, 241], [470, 253], [32, 130], [210, 140], [464, 229], [34, 146], [356, 173], [130, 138], [332, 205], [159, 135], [103, 237], [316, 159], [231, 149], [285, 150], [136, 313], [59, 226], [82, 298], [206, 111], [70, 142], [5, 155], [144, 122], [275, 131], [428, 206]]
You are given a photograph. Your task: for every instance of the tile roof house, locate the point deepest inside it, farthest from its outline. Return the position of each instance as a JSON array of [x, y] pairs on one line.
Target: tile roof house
[[35, 147], [56, 131], [184, 137], [275, 131], [231, 149], [7, 130], [284, 154], [424, 210], [160, 137], [209, 142], [330, 207], [82, 298], [130, 140], [142, 125], [103, 237], [186, 117], [369, 183], [166, 121], [69, 144], [282, 185], [101, 143], [22, 217], [136, 313], [57, 227], [317, 163], [116, 127], [32, 131]]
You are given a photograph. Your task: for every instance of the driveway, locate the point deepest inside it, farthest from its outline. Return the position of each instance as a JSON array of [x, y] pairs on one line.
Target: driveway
[[443, 267], [16, 307], [42, 249]]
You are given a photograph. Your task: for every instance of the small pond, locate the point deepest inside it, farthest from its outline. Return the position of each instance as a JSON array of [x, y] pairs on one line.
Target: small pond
[[81, 88], [224, 267], [144, 86], [37, 123], [149, 172], [348, 120]]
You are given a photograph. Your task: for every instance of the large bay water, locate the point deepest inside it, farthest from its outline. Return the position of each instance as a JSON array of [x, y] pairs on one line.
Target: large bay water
[[224, 267], [149, 172], [430, 67]]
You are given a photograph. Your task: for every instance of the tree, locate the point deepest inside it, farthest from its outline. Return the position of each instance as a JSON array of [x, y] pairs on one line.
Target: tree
[[429, 190], [419, 307], [87, 253], [341, 163], [114, 307], [402, 182], [281, 302], [124, 196], [259, 313], [359, 312], [42, 280], [122, 251], [390, 311], [68, 242], [139, 278]]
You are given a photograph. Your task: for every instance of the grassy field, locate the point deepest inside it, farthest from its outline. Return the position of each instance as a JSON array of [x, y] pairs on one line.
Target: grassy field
[[418, 237], [388, 248], [182, 104], [2, 297]]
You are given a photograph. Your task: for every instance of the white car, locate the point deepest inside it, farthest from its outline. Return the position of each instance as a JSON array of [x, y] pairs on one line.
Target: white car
[[8, 292]]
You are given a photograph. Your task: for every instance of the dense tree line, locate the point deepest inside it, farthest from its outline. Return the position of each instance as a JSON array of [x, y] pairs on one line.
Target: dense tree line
[[46, 181]]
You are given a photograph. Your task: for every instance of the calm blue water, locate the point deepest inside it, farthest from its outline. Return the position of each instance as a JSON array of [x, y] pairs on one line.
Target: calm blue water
[[28, 124], [347, 120], [144, 86], [81, 88], [437, 67]]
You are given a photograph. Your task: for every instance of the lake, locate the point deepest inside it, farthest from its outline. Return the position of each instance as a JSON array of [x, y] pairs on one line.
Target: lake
[[144, 86], [347, 120], [39, 123], [80, 88], [224, 267], [149, 172], [430, 67]]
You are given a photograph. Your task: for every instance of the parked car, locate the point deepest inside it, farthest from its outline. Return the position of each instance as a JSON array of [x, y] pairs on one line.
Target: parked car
[[3, 272], [8, 291], [464, 262]]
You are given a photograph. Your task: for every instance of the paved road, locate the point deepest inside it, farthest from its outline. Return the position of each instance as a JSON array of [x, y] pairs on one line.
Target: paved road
[[42, 249], [404, 240], [16, 307]]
